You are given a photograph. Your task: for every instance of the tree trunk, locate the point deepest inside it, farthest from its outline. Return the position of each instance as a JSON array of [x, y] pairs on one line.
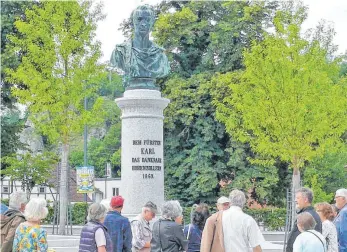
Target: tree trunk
[[295, 186], [63, 193]]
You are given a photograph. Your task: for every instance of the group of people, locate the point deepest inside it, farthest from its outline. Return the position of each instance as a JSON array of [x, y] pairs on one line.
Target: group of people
[[318, 228], [20, 224]]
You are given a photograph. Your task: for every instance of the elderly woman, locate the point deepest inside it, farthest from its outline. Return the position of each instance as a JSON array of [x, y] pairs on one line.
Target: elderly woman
[[168, 232], [325, 212], [193, 231], [94, 236], [309, 239], [29, 235]]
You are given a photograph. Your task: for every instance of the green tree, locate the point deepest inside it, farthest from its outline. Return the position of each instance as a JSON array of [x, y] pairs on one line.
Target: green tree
[[289, 102], [327, 174], [202, 38], [58, 70], [11, 122], [30, 169]]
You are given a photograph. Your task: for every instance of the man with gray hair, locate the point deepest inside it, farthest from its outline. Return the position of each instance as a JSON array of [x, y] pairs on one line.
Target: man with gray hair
[[341, 219], [142, 232], [240, 231], [303, 200], [12, 218]]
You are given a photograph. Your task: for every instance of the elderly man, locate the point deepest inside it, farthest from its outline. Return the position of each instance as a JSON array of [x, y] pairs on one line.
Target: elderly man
[[142, 232], [212, 236], [309, 239], [118, 226], [12, 218], [341, 219], [303, 200], [240, 231]]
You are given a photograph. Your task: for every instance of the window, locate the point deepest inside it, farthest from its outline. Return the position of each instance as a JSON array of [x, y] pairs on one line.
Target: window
[[5, 189], [115, 191], [42, 189]]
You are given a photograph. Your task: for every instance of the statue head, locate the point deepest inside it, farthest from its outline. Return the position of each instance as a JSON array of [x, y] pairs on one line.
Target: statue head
[[143, 19]]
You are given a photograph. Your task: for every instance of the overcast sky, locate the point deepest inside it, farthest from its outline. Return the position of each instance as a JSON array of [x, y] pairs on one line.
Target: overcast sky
[[116, 11]]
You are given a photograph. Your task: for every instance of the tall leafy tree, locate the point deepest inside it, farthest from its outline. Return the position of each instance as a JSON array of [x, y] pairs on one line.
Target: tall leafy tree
[[289, 103], [201, 39], [58, 70], [11, 121]]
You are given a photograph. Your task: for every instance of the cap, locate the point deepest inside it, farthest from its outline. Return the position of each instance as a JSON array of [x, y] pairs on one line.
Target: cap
[[151, 206], [223, 200], [117, 201]]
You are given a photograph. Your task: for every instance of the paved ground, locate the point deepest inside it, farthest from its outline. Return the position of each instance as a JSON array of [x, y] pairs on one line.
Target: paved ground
[[70, 243]]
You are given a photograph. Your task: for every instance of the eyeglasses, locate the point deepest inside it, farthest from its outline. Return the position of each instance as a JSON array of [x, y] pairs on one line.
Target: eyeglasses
[[338, 197]]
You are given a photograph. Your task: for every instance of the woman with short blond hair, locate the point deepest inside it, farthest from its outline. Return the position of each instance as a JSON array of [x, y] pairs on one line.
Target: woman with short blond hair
[[325, 212]]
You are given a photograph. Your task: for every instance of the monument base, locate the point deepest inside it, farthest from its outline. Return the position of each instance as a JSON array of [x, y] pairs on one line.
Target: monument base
[[142, 160]]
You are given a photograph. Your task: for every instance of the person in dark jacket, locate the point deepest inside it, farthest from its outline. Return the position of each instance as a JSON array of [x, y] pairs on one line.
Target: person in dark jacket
[[118, 226], [167, 233], [94, 235], [193, 231], [303, 200], [12, 218]]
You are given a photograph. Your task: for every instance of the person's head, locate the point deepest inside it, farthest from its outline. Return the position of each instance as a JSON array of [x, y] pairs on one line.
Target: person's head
[[149, 211], [18, 200], [341, 198], [305, 222], [237, 198], [117, 203], [200, 213], [172, 210], [324, 210], [36, 209], [303, 197], [96, 212], [143, 19], [223, 203], [106, 203]]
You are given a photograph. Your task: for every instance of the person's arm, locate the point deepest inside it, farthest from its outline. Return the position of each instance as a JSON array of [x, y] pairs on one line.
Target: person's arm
[[255, 237], [102, 249], [178, 232], [138, 240], [100, 240], [9, 238], [207, 234], [127, 237], [42, 244], [257, 249]]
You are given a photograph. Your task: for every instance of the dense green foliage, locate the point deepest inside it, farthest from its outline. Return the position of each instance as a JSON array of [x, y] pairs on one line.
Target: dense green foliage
[[327, 174], [11, 122], [201, 39]]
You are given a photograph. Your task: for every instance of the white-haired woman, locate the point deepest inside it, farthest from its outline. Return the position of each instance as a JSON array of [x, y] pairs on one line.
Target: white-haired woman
[[94, 236], [29, 235], [168, 231]]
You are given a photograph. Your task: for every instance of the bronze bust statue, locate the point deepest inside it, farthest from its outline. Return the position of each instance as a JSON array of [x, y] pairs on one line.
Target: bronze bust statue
[[140, 60]]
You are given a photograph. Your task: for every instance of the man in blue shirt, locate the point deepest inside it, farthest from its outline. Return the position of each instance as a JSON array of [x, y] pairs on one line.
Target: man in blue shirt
[[118, 226], [341, 219]]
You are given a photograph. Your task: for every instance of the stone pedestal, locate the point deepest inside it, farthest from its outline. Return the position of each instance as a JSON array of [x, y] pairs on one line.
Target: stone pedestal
[[142, 161]]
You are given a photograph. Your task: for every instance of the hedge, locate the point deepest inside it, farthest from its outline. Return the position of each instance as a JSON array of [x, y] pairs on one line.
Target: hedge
[[270, 219]]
